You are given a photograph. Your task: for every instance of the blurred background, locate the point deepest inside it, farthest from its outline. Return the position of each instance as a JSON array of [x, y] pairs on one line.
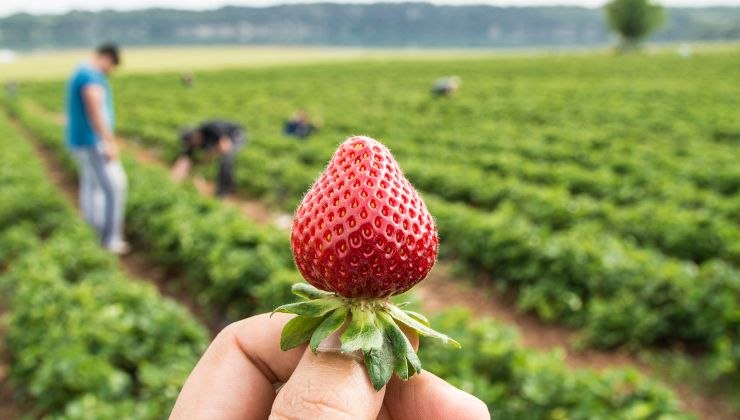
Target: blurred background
[[580, 158]]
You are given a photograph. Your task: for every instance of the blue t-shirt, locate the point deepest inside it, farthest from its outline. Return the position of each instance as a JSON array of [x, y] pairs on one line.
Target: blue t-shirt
[[79, 132]]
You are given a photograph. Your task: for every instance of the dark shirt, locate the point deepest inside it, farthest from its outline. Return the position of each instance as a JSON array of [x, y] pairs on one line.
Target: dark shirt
[[300, 129], [213, 131]]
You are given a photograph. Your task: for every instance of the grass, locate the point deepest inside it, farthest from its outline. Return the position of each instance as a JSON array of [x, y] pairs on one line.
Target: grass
[[41, 65], [54, 64]]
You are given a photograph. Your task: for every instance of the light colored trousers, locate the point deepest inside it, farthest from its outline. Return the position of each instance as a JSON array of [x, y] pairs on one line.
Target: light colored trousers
[[103, 187]]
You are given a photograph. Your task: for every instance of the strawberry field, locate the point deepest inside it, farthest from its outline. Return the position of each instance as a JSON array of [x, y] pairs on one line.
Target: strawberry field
[[602, 192]]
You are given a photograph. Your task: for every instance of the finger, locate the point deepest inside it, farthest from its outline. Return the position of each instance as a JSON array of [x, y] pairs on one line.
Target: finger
[[426, 396], [384, 414], [328, 385], [332, 385], [234, 378], [259, 338]]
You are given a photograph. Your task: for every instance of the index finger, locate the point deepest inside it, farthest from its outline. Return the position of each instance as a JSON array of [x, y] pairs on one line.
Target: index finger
[[426, 396], [234, 378]]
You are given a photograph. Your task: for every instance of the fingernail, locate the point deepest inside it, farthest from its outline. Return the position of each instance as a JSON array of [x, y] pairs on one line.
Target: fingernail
[[332, 344]]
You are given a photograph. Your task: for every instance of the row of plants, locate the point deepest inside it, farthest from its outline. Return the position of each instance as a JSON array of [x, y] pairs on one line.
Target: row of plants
[[84, 340], [521, 384], [697, 234], [537, 139], [691, 233], [622, 194], [618, 294], [235, 267], [517, 111], [559, 204], [590, 111], [555, 194], [224, 257], [585, 275]]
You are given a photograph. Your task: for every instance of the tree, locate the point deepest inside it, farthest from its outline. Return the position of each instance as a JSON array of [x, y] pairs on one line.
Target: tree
[[633, 19]]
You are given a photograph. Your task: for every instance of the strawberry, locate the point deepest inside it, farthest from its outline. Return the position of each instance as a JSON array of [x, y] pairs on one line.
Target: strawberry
[[360, 235], [362, 230]]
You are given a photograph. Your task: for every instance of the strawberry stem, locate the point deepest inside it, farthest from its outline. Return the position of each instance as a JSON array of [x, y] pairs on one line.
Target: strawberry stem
[[370, 326]]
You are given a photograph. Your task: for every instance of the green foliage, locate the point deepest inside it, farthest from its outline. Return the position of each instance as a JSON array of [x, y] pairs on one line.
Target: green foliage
[[223, 255], [588, 188], [373, 326], [110, 338], [522, 384], [598, 190], [155, 214], [276, 291], [633, 19], [85, 341]]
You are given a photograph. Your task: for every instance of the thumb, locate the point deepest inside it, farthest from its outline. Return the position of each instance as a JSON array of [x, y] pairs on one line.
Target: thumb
[[328, 385]]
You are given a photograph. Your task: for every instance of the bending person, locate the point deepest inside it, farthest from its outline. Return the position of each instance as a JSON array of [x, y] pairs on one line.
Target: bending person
[[222, 138]]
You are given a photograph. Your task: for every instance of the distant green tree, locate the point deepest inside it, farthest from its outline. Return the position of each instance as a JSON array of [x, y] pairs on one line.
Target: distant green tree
[[633, 20]]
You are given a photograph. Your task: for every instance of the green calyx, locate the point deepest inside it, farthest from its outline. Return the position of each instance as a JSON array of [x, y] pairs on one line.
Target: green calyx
[[371, 326]]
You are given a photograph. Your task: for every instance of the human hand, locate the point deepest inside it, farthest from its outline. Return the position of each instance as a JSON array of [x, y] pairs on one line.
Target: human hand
[[110, 148], [224, 145], [236, 378], [180, 169]]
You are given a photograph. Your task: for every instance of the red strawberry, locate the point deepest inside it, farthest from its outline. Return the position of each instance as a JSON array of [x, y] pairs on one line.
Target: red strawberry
[[362, 230], [361, 234]]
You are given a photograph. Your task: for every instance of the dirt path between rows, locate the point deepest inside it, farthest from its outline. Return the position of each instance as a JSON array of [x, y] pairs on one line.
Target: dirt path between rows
[[136, 264], [439, 291], [442, 290]]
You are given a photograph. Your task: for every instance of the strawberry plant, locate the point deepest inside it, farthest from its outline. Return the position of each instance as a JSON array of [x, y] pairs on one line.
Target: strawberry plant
[[83, 339], [604, 193], [594, 392]]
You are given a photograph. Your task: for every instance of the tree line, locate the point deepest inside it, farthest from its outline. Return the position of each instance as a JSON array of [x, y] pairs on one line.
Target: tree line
[[382, 25]]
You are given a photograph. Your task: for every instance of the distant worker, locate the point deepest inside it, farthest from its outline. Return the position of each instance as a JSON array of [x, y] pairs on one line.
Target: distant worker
[[11, 89], [187, 79], [89, 136], [299, 126], [222, 138], [446, 86]]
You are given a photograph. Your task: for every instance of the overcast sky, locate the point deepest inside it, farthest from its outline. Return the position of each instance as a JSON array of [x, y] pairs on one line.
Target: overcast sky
[[57, 6]]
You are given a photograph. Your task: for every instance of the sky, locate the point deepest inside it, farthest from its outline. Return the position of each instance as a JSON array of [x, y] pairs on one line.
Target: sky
[[59, 6]]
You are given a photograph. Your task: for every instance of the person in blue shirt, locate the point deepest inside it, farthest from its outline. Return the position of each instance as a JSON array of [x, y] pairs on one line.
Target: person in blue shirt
[[89, 136]]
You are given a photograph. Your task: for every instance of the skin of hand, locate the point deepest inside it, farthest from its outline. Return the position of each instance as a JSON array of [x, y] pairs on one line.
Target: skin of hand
[[236, 378], [181, 168], [111, 149], [224, 145], [93, 96]]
